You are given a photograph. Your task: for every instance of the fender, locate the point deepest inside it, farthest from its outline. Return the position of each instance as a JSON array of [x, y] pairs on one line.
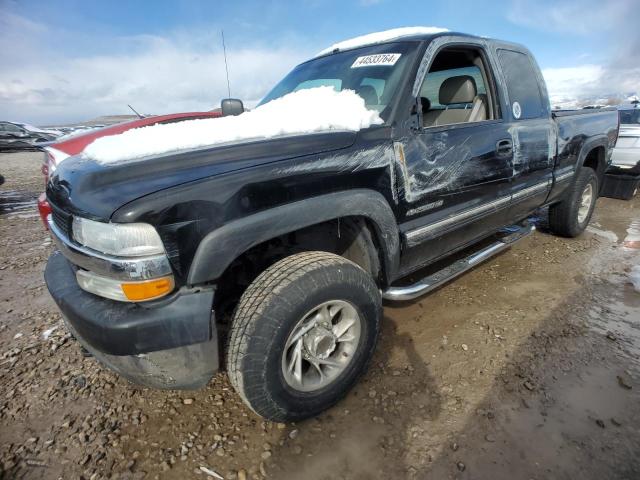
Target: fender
[[221, 246], [588, 146]]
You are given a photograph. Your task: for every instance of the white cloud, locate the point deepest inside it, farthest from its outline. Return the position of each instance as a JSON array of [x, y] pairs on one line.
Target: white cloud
[[179, 72], [615, 21], [570, 16]]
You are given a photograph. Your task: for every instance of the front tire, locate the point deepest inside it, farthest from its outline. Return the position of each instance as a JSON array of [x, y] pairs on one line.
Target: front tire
[[570, 217], [302, 334]]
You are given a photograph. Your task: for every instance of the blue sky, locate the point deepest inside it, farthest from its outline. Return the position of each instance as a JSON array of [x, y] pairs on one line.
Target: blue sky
[[70, 60]]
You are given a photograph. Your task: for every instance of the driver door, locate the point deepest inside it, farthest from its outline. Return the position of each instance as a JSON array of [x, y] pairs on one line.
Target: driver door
[[458, 167]]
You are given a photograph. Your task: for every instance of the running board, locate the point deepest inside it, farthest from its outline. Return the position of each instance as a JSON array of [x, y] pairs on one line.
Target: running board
[[439, 278]]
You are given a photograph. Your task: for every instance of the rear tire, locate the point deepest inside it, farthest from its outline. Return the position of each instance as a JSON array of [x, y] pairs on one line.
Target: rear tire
[[570, 217], [276, 309]]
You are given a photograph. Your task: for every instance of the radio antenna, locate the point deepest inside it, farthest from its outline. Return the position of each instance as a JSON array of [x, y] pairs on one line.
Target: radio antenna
[[226, 67], [134, 111]]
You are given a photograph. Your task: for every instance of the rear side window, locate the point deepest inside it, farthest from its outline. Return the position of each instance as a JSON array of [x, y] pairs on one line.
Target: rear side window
[[522, 84]]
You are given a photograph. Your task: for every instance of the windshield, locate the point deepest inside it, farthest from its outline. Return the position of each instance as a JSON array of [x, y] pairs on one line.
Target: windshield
[[373, 72], [630, 116]]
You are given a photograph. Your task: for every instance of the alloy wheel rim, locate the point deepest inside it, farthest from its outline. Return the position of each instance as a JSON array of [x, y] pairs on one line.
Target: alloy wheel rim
[[585, 203], [321, 345]]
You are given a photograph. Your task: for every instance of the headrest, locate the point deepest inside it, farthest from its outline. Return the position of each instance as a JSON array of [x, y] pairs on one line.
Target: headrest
[[369, 94], [461, 89]]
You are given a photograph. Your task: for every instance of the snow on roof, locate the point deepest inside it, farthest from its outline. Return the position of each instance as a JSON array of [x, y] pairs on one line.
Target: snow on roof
[[312, 110], [379, 37]]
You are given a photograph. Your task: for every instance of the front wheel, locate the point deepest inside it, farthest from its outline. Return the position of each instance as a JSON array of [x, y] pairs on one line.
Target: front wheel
[[302, 334], [570, 217]]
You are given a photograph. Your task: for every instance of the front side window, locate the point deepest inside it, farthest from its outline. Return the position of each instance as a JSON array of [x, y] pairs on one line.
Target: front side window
[[434, 80], [373, 72], [455, 89], [522, 85]]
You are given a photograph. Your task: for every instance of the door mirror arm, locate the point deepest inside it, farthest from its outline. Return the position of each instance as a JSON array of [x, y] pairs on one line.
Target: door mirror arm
[[415, 122]]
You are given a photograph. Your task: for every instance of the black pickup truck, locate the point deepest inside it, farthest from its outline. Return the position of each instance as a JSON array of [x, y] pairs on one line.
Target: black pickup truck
[[279, 251]]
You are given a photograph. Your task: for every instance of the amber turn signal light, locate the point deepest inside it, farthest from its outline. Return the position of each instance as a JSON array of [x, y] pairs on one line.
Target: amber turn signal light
[[148, 290]]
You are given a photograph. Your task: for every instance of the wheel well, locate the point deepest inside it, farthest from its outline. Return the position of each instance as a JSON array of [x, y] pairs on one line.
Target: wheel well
[[351, 237], [595, 159]]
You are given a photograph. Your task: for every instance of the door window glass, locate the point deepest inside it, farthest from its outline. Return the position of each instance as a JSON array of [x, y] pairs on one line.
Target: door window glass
[[434, 80], [522, 84]]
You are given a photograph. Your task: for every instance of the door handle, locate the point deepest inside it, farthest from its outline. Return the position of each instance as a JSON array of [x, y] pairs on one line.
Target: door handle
[[504, 148]]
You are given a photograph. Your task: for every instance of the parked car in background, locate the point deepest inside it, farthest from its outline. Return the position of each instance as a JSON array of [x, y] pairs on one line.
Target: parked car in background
[[74, 144], [623, 176], [22, 136]]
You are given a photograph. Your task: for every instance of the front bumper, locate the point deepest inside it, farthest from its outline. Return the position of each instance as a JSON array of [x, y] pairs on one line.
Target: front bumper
[[170, 343]]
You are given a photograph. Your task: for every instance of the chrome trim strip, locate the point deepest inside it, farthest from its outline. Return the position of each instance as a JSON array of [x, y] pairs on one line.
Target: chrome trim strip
[[525, 192], [119, 268], [413, 236], [564, 176]]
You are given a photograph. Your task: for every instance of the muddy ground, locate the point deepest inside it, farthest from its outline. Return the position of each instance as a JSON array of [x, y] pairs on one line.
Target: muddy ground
[[527, 367]]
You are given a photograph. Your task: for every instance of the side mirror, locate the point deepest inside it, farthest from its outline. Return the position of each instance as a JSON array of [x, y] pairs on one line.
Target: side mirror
[[231, 106]]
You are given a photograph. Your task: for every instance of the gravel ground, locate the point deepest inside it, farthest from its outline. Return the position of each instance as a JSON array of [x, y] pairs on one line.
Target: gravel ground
[[526, 367]]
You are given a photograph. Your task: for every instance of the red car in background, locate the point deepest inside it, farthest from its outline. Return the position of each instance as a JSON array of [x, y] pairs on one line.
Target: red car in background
[[56, 152]]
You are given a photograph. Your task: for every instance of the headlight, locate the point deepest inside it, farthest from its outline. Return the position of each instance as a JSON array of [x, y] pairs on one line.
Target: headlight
[[124, 291], [120, 239]]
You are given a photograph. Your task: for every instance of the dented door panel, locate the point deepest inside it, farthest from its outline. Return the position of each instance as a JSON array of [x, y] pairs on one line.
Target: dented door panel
[[453, 177]]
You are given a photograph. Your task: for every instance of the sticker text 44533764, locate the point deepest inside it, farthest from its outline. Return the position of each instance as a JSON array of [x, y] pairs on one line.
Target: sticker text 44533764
[[380, 60]]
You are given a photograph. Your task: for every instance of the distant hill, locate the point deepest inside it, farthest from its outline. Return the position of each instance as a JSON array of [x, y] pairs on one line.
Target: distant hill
[[559, 102], [104, 120]]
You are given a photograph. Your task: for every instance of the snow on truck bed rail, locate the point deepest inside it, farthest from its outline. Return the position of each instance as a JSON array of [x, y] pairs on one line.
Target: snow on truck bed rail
[[379, 37], [320, 109]]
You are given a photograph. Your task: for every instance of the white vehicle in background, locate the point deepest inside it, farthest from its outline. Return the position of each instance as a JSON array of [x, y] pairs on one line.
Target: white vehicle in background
[[626, 155], [623, 176]]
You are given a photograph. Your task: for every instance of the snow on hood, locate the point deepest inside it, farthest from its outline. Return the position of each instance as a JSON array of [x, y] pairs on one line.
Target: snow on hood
[[379, 37], [312, 110]]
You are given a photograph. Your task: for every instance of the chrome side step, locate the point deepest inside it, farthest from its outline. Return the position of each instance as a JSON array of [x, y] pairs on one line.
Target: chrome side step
[[457, 268]]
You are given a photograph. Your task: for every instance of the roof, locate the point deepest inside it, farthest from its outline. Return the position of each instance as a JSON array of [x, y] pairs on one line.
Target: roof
[[403, 33]]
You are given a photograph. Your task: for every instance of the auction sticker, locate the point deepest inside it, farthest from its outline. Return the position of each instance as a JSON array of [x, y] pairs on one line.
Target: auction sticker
[[380, 60]]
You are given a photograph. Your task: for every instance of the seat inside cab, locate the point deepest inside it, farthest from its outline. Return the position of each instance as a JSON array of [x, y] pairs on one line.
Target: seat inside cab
[[455, 89]]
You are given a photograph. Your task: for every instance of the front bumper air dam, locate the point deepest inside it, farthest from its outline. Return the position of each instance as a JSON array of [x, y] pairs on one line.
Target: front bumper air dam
[[171, 344]]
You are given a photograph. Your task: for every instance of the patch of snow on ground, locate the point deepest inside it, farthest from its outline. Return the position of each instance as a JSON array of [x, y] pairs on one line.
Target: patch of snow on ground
[[47, 333], [379, 37], [312, 110], [634, 276]]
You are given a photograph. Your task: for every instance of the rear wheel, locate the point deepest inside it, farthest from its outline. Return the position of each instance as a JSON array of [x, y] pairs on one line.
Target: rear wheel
[[570, 217], [302, 334]]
